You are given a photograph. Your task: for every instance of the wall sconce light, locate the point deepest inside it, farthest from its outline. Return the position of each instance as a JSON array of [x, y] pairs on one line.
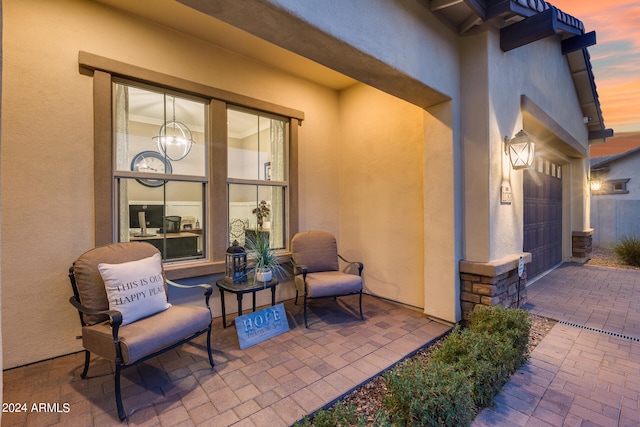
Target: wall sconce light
[[174, 138], [520, 150], [596, 185]]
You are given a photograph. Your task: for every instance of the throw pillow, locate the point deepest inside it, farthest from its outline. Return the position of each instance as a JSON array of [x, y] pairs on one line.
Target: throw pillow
[[135, 288]]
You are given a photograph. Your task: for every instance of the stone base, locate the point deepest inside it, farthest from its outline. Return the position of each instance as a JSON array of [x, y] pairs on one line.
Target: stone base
[[493, 283], [581, 245]]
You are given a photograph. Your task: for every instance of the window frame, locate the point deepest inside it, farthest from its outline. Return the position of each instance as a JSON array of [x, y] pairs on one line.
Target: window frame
[[104, 71], [621, 182]]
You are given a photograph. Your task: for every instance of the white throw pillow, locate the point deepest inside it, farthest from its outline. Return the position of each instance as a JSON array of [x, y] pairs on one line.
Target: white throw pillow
[[135, 288]]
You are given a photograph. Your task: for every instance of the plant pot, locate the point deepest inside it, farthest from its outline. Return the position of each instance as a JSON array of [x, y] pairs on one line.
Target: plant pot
[[263, 274]]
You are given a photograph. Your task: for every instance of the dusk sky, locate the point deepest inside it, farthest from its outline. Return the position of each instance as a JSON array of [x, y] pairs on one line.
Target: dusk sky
[[616, 64]]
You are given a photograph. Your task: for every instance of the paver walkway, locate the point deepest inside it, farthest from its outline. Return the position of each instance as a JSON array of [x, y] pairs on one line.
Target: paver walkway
[[586, 371], [274, 383]]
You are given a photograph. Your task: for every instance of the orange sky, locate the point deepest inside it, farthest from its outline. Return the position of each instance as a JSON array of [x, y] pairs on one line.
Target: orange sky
[[616, 65]]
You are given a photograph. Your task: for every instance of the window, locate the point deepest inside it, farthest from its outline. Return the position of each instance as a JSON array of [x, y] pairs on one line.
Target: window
[[257, 176], [619, 186], [164, 185], [160, 170]]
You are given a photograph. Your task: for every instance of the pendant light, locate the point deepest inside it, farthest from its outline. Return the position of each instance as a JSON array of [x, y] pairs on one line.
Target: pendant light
[[174, 138]]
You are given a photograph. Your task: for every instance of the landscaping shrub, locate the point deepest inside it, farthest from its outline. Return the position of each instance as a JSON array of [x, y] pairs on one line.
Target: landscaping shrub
[[499, 320], [431, 394], [339, 416], [462, 376], [628, 250], [487, 360]]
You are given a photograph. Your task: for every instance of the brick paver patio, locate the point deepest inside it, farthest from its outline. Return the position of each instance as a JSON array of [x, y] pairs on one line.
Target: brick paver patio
[[586, 371], [273, 383]]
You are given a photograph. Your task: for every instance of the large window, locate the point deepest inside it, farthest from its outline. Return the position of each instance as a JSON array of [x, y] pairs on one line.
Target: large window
[[188, 203], [257, 176], [160, 170]]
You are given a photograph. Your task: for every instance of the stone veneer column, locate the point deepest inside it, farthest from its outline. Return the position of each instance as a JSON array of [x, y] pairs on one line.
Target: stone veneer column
[[581, 245], [492, 283]]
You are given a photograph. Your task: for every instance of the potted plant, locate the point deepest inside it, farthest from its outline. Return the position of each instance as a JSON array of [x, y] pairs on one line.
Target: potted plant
[[265, 259], [262, 211]]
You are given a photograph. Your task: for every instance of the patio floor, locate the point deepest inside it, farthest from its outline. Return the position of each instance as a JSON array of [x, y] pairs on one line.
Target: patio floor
[[273, 383]]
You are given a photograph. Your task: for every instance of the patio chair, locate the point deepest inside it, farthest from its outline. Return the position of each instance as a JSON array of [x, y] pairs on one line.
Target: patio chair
[[120, 293], [317, 267]]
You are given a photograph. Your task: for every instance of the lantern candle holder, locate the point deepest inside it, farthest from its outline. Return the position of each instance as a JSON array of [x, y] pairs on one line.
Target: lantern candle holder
[[236, 263]]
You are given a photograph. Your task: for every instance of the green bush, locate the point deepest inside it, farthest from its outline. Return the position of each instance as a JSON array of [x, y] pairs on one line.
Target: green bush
[[431, 394], [487, 360], [628, 250], [462, 375], [499, 320], [338, 416]]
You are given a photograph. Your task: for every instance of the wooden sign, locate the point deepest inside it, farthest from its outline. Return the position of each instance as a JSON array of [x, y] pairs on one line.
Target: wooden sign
[[261, 325]]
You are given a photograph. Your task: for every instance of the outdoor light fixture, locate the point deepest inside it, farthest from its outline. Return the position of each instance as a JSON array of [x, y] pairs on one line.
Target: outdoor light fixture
[[174, 138], [520, 150], [236, 263], [596, 185]]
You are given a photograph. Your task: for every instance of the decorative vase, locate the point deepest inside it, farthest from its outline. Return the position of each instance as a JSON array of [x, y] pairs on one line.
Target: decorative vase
[[263, 274]]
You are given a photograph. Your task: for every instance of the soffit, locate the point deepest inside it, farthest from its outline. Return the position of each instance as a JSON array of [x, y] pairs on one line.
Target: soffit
[[184, 19]]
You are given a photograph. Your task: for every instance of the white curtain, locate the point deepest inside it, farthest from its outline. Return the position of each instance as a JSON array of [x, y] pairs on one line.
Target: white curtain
[[278, 165], [122, 155]]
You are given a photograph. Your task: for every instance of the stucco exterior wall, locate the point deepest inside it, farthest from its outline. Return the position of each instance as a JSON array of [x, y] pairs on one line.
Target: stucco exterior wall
[[540, 72], [397, 46], [361, 136], [381, 191], [47, 150], [614, 216]]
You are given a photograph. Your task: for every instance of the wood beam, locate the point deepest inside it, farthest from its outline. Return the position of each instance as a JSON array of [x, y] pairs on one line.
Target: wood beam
[[443, 4], [469, 23], [529, 30], [575, 43], [601, 134]]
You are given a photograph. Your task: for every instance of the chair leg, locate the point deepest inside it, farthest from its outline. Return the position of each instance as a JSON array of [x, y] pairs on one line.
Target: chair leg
[[361, 316], [87, 357], [209, 347], [296, 300], [121, 413], [306, 324]]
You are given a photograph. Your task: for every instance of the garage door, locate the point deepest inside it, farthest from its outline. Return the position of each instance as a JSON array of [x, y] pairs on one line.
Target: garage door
[[543, 216]]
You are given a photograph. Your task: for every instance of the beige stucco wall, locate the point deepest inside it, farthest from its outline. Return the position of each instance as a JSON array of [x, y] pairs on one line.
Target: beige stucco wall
[[541, 72], [47, 149], [381, 191], [47, 161]]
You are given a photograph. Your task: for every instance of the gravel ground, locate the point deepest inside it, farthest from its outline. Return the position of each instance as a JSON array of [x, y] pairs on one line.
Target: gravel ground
[[367, 399], [607, 258]]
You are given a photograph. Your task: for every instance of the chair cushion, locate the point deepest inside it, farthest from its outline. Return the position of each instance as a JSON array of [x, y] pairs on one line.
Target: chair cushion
[[317, 250], [147, 335], [90, 285], [329, 283], [135, 288]]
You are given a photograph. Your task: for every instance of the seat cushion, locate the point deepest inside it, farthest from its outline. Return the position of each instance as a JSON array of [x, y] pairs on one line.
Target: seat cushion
[[147, 335], [329, 283], [135, 288], [318, 250]]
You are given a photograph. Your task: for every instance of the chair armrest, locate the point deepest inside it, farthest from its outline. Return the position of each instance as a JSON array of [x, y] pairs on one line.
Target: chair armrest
[[208, 290], [114, 315], [359, 264], [301, 268]]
